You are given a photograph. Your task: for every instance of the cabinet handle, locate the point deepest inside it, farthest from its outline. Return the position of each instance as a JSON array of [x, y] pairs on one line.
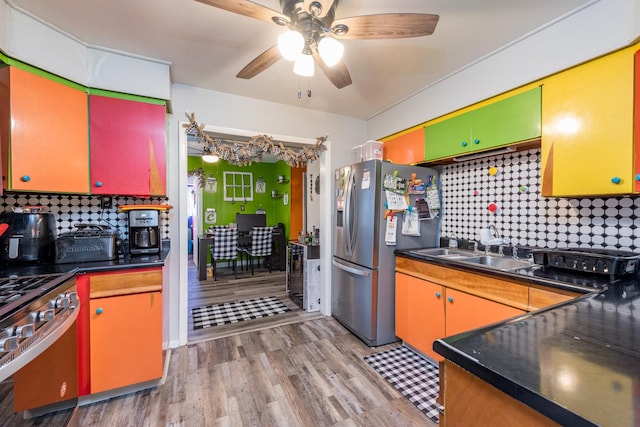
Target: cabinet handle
[[464, 143], [25, 178], [476, 141], [616, 180], [450, 299], [437, 294], [99, 310], [638, 177], [99, 184]]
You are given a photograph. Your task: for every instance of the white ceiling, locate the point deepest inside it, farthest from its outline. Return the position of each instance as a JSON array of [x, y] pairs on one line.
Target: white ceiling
[[207, 46]]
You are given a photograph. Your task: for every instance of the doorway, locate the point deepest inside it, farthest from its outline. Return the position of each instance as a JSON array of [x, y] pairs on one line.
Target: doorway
[[228, 289]]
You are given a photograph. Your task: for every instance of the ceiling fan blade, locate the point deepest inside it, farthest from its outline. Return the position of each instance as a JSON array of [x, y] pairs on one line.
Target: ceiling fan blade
[[325, 6], [261, 62], [338, 74], [388, 26], [247, 8]]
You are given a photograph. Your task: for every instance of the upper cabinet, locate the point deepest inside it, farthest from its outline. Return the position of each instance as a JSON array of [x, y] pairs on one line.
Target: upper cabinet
[[587, 132], [407, 148], [510, 120], [127, 146], [636, 175], [43, 129]]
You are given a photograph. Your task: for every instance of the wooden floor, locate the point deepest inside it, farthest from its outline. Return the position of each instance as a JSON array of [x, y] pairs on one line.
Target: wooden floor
[[227, 289], [305, 372]]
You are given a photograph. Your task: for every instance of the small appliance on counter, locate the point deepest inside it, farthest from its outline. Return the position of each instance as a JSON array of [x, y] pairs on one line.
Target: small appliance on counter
[[144, 232], [27, 237], [89, 242]]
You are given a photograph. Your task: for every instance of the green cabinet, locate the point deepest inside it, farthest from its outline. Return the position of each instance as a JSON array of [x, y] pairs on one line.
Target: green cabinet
[[504, 122]]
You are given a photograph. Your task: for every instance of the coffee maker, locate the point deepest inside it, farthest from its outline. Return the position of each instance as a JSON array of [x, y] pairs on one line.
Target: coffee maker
[[144, 232]]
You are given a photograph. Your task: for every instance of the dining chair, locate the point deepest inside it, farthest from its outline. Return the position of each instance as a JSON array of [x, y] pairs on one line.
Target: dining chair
[[224, 248], [261, 242]]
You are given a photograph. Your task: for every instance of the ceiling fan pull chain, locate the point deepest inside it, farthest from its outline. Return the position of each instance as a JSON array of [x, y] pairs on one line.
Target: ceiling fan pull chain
[[299, 91], [309, 90]]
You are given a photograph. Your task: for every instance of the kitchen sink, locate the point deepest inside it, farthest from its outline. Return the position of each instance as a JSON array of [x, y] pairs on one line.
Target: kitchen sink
[[496, 262], [444, 252], [499, 263]]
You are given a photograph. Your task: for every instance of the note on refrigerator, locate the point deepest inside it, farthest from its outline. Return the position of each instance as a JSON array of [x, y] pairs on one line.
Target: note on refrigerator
[[395, 201], [391, 230]]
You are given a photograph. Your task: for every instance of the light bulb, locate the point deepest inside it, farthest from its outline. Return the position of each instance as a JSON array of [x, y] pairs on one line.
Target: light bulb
[[330, 50], [209, 157], [290, 45], [304, 65]]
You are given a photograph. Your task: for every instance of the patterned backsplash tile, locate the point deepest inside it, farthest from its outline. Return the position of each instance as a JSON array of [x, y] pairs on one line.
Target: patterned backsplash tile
[[74, 209], [523, 215]]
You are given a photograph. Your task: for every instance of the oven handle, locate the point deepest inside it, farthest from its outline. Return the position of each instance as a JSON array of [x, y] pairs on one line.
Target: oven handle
[[63, 322]]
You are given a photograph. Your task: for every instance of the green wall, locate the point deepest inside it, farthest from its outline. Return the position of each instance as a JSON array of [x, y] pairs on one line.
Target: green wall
[[226, 211]]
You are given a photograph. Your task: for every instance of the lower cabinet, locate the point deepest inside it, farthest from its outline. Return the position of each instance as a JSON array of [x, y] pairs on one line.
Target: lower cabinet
[[419, 313], [465, 312], [120, 329], [470, 401], [427, 311]]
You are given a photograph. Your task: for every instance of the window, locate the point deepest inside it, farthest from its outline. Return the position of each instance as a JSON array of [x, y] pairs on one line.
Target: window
[[238, 186]]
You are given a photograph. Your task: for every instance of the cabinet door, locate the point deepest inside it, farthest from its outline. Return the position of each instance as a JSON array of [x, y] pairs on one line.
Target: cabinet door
[[127, 147], [513, 119], [405, 149], [125, 340], [44, 132], [587, 132], [419, 313], [450, 137], [636, 176], [465, 312]]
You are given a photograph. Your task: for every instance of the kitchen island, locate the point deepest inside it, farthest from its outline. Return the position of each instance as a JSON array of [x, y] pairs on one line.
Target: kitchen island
[[574, 363]]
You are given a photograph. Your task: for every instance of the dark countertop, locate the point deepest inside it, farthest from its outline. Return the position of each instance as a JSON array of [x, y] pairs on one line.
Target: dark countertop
[[577, 363], [127, 262]]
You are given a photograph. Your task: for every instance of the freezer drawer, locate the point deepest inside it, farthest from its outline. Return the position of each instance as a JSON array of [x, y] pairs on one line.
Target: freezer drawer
[[353, 303]]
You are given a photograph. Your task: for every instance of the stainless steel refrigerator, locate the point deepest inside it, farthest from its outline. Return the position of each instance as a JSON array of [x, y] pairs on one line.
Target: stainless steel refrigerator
[[363, 285]]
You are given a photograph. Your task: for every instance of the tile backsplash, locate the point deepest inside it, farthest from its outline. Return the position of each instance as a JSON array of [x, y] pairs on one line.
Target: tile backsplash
[[523, 215], [74, 209]]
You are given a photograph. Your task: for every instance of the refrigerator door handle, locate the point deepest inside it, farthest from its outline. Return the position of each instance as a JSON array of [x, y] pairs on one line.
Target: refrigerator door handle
[[351, 270], [354, 231], [347, 215]]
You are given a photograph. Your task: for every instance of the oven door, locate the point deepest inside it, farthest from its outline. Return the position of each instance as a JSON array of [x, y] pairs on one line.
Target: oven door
[[50, 381]]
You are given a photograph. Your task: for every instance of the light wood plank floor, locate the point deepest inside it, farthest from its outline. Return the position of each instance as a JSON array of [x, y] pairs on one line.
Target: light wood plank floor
[[307, 372], [227, 289]]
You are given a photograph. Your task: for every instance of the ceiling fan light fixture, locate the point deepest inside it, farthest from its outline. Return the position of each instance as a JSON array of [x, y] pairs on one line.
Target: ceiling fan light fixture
[[330, 51], [304, 65], [290, 45], [209, 157]]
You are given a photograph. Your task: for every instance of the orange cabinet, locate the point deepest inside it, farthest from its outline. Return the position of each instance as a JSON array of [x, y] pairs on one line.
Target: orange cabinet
[[406, 148], [128, 153], [119, 329], [44, 132], [419, 313], [126, 340], [465, 312]]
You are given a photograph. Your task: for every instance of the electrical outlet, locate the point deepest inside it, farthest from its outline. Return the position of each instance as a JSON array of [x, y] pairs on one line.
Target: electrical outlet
[[106, 202]]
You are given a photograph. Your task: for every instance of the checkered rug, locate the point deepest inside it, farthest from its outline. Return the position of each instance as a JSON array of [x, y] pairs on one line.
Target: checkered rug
[[237, 311], [414, 377]]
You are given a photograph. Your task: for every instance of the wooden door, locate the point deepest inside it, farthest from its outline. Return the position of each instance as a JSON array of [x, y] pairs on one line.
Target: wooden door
[[46, 142], [125, 340], [587, 129], [419, 313], [128, 153], [465, 312]]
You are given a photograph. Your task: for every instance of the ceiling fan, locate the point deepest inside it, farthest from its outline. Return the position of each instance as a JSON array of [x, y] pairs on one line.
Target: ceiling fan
[[315, 21]]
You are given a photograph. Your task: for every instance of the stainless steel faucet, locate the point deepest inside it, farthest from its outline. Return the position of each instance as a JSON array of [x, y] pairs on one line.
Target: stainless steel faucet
[[496, 233]]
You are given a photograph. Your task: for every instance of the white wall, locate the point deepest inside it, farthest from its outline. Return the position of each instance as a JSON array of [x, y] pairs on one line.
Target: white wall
[[230, 111], [602, 27], [38, 43]]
